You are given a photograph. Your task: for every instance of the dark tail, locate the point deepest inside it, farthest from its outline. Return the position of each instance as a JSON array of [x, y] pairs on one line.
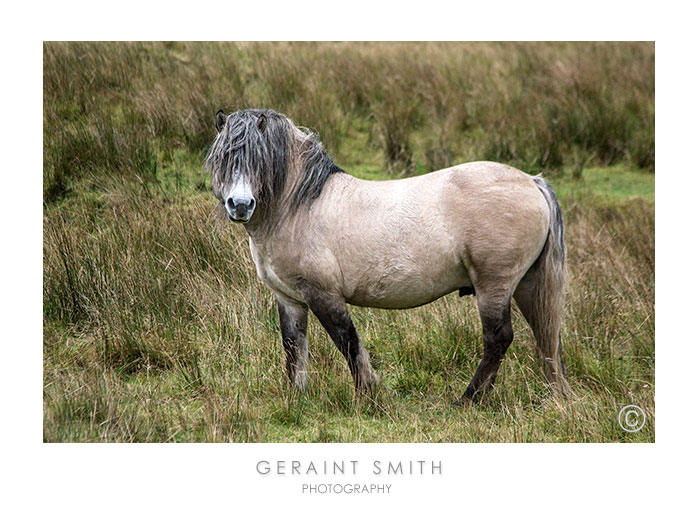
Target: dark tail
[[540, 294]]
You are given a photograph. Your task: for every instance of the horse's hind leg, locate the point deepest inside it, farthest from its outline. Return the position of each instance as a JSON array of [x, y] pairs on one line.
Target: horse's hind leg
[[498, 335], [333, 314], [293, 319]]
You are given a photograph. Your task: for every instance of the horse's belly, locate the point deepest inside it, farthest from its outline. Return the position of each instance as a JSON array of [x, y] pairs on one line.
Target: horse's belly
[[406, 288]]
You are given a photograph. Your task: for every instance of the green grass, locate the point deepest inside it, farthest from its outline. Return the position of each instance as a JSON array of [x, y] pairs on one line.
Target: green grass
[[618, 182], [156, 327]]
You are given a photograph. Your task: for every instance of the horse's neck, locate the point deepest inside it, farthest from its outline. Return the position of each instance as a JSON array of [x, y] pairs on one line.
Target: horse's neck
[[277, 229]]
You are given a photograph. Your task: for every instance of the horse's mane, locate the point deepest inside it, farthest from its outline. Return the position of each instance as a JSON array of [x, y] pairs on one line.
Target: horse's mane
[[318, 167], [261, 144]]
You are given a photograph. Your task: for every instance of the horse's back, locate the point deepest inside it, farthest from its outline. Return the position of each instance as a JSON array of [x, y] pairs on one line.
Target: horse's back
[[480, 176]]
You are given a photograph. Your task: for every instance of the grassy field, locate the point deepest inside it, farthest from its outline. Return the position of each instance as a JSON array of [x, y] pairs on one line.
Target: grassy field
[[156, 327]]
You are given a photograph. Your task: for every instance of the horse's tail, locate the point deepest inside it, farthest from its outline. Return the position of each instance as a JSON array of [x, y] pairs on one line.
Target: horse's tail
[[540, 294]]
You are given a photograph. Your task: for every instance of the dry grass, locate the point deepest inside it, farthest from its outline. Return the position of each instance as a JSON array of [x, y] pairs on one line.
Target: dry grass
[[417, 106]]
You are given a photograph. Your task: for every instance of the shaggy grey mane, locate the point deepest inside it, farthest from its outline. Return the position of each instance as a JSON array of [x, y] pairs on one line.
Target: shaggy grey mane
[[261, 144], [318, 167]]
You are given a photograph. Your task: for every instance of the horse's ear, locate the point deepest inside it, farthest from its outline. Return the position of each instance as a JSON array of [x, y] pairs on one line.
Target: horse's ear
[[220, 120], [262, 123]]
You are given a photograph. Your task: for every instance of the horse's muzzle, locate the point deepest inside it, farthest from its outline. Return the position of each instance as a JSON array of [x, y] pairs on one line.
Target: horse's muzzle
[[240, 210]]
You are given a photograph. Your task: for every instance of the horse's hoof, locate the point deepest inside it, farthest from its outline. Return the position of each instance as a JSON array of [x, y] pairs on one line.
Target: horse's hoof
[[369, 384], [470, 396], [368, 389]]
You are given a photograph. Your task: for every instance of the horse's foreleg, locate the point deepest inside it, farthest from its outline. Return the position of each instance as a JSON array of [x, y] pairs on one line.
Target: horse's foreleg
[[333, 314], [293, 318], [498, 334]]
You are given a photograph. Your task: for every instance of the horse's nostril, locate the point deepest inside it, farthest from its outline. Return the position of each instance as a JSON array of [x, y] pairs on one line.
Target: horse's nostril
[[251, 205], [229, 203]]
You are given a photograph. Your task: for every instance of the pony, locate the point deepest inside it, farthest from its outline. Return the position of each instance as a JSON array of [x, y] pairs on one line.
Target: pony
[[321, 239]]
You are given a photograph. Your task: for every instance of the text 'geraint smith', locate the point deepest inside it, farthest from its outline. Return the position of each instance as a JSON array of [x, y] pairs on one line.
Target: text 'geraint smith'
[[349, 467]]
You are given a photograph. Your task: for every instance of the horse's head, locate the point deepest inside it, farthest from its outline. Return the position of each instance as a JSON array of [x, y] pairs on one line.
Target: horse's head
[[247, 161], [250, 161], [238, 200]]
